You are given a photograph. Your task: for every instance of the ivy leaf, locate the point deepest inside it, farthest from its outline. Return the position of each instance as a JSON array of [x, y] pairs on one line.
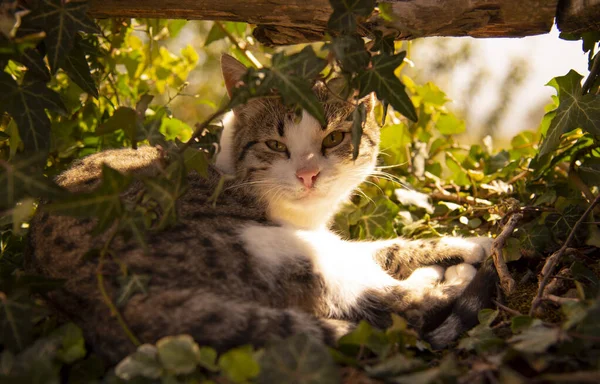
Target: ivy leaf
[[574, 111], [561, 224], [239, 365], [298, 359], [343, 18], [26, 103], [23, 178], [72, 344], [376, 219], [60, 20], [196, 160], [590, 171], [384, 44], [358, 121], [380, 78], [34, 62], [16, 328], [130, 285], [141, 363], [78, 69], [305, 63], [124, 118], [166, 190], [350, 51], [536, 339], [178, 354], [103, 203]]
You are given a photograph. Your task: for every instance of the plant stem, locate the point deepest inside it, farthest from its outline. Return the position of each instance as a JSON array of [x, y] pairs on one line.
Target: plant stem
[[506, 280], [551, 261], [106, 297]]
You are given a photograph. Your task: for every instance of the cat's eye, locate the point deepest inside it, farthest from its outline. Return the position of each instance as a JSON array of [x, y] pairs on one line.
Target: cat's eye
[[276, 146], [333, 139]]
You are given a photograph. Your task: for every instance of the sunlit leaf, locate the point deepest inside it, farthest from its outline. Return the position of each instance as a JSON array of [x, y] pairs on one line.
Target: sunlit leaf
[[239, 364], [178, 354], [141, 363], [574, 111]]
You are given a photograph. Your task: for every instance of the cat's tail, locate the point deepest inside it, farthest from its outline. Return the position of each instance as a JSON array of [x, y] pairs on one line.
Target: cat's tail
[[479, 294]]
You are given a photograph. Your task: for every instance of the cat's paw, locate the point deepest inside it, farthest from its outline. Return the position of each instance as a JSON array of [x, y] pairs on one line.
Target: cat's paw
[[473, 250], [426, 275], [459, 274]]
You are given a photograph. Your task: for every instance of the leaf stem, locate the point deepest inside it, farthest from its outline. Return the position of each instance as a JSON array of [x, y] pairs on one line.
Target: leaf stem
[[106, 297]]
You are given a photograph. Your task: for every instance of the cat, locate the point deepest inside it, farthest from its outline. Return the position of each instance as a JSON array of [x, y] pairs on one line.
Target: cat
[[261, 263]]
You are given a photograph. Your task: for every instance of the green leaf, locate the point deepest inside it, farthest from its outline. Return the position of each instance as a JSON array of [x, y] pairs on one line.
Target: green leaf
[[27, 104], [143, 362], [196, 160], [61, 21], [124, 118], [207, 358], [589, 171], [166, 190], [359, 117], [24, 178], [574, 111], [535, 339], [78, 69], [34, 62], [298, 359], [103, 203], [380, 78], [520, 323], [178, 354], [449, 124], [343, 18], [16, 328], [72, 344], [131, 285], [215, 34], [350, 51], [376, 218], [239, 365]]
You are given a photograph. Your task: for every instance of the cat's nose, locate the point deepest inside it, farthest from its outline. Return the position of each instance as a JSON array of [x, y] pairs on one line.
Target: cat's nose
[[307, 176]]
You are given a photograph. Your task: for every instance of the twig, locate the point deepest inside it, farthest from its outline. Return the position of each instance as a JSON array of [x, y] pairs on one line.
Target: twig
[[106, 297], [507, 309], [594, 73], [506, 280], [551, 261], [559, 300], [459, 200], [201, 126]]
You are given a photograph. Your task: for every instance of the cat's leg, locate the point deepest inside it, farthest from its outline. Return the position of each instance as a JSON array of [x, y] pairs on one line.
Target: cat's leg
[[223, 322], [399, 257]]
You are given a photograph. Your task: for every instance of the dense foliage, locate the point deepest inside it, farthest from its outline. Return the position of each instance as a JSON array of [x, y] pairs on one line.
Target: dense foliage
[[71, 86]]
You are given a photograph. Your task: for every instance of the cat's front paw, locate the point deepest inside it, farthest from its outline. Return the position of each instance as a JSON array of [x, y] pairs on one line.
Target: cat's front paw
[[459, 274], [472, 250]]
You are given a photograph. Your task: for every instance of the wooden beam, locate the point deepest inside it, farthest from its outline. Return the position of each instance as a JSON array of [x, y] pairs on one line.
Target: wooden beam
[[299, 21], [576, 16]]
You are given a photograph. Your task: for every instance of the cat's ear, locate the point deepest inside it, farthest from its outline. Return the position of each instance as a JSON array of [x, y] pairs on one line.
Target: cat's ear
[[232, 71]]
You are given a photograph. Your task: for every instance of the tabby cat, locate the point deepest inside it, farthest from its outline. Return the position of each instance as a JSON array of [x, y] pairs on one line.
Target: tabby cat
[[261, 263]]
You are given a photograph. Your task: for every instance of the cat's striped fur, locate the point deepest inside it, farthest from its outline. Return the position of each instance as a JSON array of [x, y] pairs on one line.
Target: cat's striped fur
[[261, 264]]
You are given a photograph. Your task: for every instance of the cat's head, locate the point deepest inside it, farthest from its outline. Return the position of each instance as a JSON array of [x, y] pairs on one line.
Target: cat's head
[[300, 169]]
